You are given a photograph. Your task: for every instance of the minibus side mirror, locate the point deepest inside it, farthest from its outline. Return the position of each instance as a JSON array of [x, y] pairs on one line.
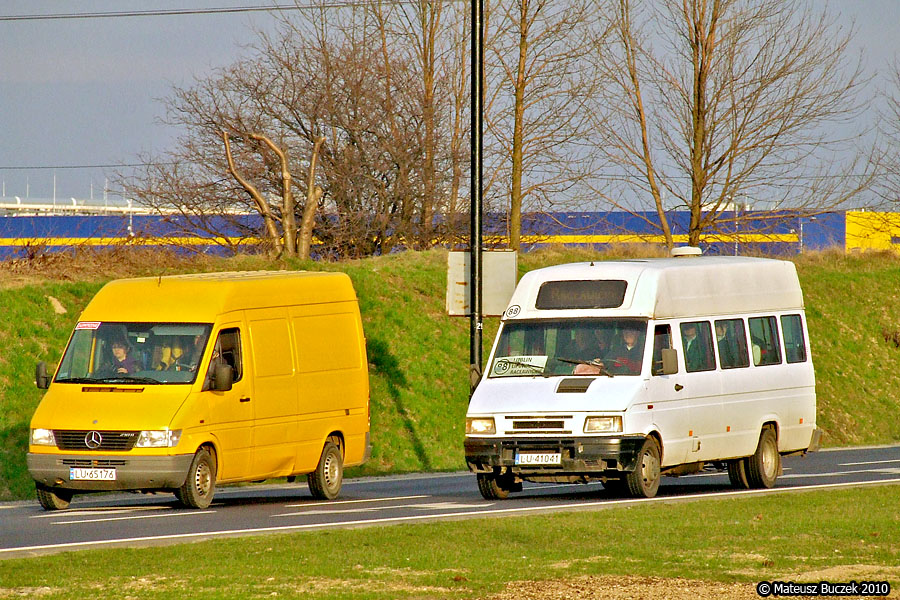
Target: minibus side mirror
[[41, 378], [669, 361], [224, 378]]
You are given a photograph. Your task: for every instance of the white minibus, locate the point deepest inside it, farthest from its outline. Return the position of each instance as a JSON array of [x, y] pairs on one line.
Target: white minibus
[[622, 371]]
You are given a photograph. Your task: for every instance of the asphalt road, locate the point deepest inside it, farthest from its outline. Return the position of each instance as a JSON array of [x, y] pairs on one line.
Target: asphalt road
[[140, 520]]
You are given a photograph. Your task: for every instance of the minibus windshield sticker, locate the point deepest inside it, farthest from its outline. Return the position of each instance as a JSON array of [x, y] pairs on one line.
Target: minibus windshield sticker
[[581, 294], [88, 325], [517, 366]]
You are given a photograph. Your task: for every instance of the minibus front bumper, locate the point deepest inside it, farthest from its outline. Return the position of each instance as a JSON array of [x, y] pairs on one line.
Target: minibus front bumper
[[583, 455], [131, 472]]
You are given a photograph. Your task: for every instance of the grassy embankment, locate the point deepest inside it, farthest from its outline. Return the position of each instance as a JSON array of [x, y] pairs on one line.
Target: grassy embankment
[[835, 536], [419, 356]]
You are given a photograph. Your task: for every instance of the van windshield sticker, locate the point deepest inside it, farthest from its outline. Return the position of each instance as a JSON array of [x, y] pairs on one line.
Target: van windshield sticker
[[517, 366], [88, 325], [581, 294]]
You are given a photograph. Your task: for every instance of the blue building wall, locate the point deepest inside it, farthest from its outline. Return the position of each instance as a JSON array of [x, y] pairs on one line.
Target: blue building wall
[[750, 232]]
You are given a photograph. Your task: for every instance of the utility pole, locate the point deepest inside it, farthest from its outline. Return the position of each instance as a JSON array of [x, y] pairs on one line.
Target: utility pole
[[476, 320]]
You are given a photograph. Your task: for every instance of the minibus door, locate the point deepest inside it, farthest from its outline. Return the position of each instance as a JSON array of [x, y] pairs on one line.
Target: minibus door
[[666, 402]]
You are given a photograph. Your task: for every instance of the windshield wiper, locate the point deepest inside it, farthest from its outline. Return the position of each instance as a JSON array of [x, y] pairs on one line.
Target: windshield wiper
[[126, 379], [596, 363], [76, 380]]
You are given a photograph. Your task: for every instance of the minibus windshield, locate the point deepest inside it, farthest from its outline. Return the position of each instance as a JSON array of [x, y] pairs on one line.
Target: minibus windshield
[[610, 347], [142, 353]]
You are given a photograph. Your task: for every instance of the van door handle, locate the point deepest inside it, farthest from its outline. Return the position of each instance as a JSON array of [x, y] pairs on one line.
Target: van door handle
[[247, 399], [678, 388]]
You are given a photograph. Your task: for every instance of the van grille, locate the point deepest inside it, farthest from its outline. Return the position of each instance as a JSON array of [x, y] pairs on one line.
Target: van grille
[[93, 462], [539, 425], [109, 440]]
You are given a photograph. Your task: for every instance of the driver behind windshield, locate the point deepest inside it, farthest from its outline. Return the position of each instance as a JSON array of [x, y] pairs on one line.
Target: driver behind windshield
[[122, 362]]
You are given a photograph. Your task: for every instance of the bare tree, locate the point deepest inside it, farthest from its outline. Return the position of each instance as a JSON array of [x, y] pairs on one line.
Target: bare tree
[[537, 107], [714, 104]]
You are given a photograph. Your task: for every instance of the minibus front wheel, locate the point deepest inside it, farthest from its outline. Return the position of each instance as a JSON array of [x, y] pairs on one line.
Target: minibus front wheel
[[643, 482], [53, 498], [200, 485]]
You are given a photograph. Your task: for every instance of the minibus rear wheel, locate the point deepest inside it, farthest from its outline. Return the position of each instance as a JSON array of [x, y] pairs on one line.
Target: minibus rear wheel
[[200, 485], [325, 482], [737, 473], [53, 498], [643, 482], [765, 464]]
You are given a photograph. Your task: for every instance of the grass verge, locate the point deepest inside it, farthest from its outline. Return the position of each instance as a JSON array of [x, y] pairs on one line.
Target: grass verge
[[838, 535]]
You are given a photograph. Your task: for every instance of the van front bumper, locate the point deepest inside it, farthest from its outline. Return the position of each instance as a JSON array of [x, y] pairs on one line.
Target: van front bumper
[[132, 472], [583, 455]]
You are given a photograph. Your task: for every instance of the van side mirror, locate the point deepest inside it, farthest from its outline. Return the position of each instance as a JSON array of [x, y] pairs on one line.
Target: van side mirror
[[41, 378], [224, 378], [669, 361]]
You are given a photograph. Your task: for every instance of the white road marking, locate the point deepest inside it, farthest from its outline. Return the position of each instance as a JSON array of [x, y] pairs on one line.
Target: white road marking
[[334, 502], [415, 518], [837, 473], [369, 509], [871, 462], [89, 512], [135, 517]]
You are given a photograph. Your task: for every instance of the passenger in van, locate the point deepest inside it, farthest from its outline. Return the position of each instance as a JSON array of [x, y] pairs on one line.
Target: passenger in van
[[122, 363], [626, 356], [591, 346], [727, 354], [694, 358]]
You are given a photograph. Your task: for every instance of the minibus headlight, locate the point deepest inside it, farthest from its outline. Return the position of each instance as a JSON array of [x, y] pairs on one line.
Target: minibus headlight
[[480, 425], [43, 437], [165, 438], [603, 424]]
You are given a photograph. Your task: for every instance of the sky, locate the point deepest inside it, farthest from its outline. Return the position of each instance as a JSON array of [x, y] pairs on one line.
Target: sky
[[85, 92]]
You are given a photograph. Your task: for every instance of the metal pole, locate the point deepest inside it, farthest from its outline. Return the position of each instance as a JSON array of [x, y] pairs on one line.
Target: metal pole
[[476, 323]]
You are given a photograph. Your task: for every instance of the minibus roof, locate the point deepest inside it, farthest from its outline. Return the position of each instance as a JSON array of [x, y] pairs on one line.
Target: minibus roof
[[661, 288], [200, 298]]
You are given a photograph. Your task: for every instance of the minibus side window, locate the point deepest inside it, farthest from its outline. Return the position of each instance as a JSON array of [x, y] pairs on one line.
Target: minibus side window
[[227, 350], [731, 342], [662, 339], [696, 339], [794, 341], [764, 340]]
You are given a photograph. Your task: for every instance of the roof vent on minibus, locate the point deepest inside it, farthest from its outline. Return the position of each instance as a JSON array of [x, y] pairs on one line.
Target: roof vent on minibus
[[686, 252]]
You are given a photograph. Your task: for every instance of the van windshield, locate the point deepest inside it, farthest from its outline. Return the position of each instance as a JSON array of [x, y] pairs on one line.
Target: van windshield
[[609, 347], [144, 353]]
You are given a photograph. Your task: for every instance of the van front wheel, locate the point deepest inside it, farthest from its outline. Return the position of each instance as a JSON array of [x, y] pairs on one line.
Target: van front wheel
[[53, 498], [200, 485], [490, 488], [325, 482], [643, 482]]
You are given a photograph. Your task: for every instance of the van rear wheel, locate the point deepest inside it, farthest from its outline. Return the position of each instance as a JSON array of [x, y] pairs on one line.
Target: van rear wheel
[[325, 482], [643, 482], [53, 498], [200, 485], [764, 466]]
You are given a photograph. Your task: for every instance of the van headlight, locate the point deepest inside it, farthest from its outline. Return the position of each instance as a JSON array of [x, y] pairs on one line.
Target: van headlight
[[164, 438], [480, 425], [603, 424], [43, 437]]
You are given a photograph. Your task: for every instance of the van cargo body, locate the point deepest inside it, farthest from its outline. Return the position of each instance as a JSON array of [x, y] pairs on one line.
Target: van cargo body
[[621, 371], [179, 383]]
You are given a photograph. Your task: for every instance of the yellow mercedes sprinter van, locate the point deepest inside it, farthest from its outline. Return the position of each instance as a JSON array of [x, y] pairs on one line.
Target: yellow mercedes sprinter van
[[182, 382]]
